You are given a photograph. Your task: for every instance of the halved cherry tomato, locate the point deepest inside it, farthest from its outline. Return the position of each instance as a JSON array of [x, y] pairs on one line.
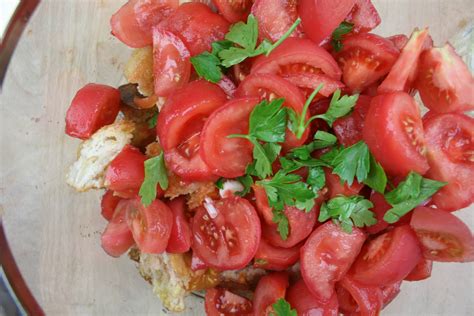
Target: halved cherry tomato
[[275, 258], [150, 13], [380, 208], [389, 292], [180, 237], [275, 17], [388, 258], [229, 240], [348, 129], [450, 142], [320, 18], [234, 10], [364, 16], [301, 299], [270, 288], [93, 106], [117, 237], [179, 128], [326, 257], [222, 302], [364, 59], [125, 27], [421, 271], [443, 236], [197, 26], [261, 202], [150, 225], [394, 133], [228, 157], [354, 297], [399, 40], [171, 64], [444, 81], [108, 204], [335, 188]]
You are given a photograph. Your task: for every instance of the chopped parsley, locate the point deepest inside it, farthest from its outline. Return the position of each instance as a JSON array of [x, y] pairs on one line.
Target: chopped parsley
[[155, 173]]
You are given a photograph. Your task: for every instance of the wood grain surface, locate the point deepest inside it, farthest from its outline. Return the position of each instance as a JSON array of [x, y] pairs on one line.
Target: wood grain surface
[[54, 232]]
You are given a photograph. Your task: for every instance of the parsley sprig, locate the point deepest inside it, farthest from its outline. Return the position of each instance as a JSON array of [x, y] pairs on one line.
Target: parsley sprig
[[155, 173], [343, 29], [282, 308]]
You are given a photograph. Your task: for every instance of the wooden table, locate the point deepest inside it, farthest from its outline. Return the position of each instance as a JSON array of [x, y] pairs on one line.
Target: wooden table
[[54, 231]]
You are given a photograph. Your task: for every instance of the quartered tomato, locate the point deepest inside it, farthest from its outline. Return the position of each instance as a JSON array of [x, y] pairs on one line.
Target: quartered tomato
[[399, 40], [108, 204], [444, 81], [364, 16], [301, 299], [388, 258], [354, 297], [270, 288], [335, 188], [229, 239], [93, 106], [443, 236], [117, 237], [180, 237], [394, 133], [234, 10], [380, 208], [320, 18], [275, 258], [364, 59], [326, 257], [228, 157], [450, 143], [222, 302], [179, 128], [389, 292], [421, 271], [348, 129]]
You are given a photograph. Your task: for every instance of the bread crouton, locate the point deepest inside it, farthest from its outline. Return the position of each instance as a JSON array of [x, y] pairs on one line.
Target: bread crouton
[[196, 191], [139, 69]]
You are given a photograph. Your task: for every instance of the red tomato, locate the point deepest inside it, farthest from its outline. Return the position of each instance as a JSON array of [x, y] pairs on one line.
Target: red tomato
[[443, 236], [242, 70], [394, 133], [275, 258], [270, 288], [380, 208], [197, 26], [229, 240], [348, 129], [364, 59], [450, 142], [421, 271], [275, 17], [117, 237], [93, 106], [335, 188], [125, 27], [221, 302], [179, 128], [399, 40], [180, 237], [357, 298], [108, 204], [400, 77], [301, 299], [444, 81], [321, 17], [228, 157], [150, 13], [234, 10], [388, 258], [364, 16], [261, 201], [197, 264], [389, 292], [326, 257], [171, 64]]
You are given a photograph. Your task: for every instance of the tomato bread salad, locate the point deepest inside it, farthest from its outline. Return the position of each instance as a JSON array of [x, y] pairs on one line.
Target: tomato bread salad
[[272, 153]]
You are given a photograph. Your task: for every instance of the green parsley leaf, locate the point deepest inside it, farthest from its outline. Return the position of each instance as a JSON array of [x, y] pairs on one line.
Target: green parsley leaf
[[339, 107], [264, 156], [409, 194], [321, 140], [268, 121], [244, 34], [316, 178], [155, 173], [219, 46], [376, 179], [152, 121], [343, 29], [283, 308], [283, 225], [348, 211], [220, 183], [207, 66], [247, 182]]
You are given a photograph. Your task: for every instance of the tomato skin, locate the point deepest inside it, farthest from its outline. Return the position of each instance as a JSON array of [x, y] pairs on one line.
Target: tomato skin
[[221, 302], [348, 129], [93, 106], [442, 235], [399, 40], [126, 28], [389, 292], [108, 204], [364, 16], [301, 299], [228, 157], [261, 201], [269, 289], [149, 13], [335, 188], [233, 11], [275, 258], [449, 139], [117, 237], [326, 257], [394, 133], [369, 299], [180, 237], [380, 208], [388, 258], [320, 18], [422, 271]]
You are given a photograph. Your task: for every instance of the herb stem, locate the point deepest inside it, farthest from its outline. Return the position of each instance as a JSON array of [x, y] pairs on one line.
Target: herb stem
[[302, 125], [284, 36]]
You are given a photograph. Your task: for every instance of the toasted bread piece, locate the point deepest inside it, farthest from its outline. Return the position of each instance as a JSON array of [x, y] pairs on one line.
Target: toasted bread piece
[[196, 191], [139, 69], [96, 153]]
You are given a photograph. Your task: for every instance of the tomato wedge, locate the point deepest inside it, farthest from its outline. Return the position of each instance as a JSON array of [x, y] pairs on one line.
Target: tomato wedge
[[117, 237], [180, 237], [394, 133], [261, 201], [126, 28], [389, 292], [108, 204], [179, 128], [275, 258], [228, 157], [364, 16], [399, 40], [364, 59], [301, 299], [421, 271], [335, 188], [326, 257], [270, 288], [357, 298], [230, 239], [234, 10], [221, 302], [348, 129], [388, 258], [449, 138], [443, 236], [380, 208]]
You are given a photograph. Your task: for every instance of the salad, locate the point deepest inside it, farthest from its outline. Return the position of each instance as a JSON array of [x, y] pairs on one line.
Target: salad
[[274, 155]]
